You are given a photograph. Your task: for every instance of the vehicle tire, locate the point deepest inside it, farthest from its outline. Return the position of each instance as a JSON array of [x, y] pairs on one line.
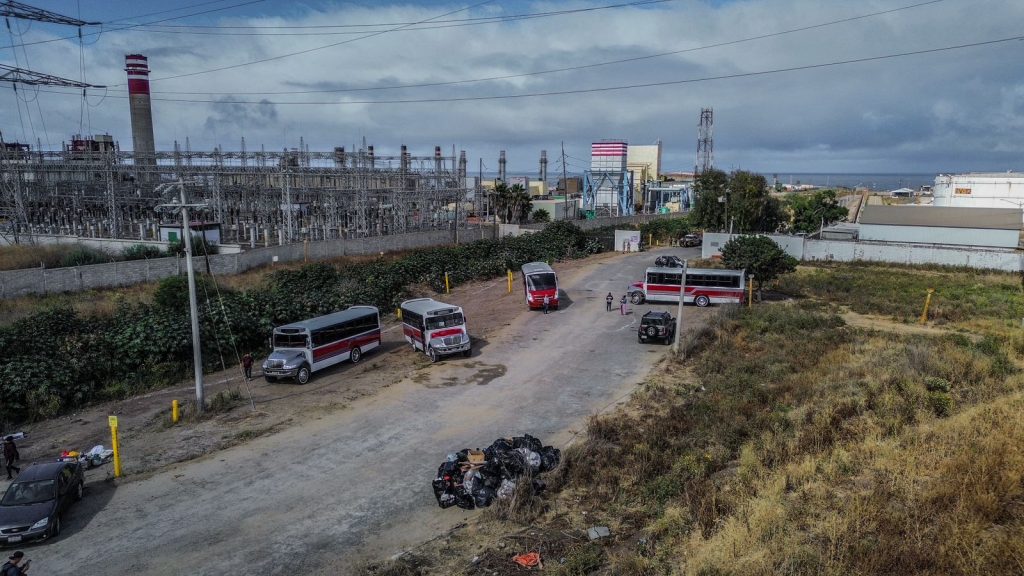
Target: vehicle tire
[[652, 331], [270, 378], [433, 355], [55, 527], [302, 376], [702, 301], [636, 297], [355, 355], [79, 491], [468, 353]]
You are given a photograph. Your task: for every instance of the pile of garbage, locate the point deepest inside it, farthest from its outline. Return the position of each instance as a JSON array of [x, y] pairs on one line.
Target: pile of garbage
[[475, 478]]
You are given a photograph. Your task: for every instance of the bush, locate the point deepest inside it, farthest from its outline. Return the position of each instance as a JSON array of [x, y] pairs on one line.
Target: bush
[[200, 247], [83, 256], [141, 252], [540, 215]]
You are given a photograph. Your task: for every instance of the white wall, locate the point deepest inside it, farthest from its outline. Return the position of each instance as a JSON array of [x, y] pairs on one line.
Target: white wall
[[938, 235], [627, 240], [892, 252]]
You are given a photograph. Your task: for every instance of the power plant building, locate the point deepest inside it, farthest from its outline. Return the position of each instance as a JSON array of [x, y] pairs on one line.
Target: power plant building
[[980, 190]]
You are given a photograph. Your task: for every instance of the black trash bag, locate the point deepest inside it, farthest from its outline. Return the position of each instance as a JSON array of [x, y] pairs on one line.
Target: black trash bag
[[527, 441], [464, 501], [513, 464], [550, 457], [446, 484], [499, 446], [483, 497]]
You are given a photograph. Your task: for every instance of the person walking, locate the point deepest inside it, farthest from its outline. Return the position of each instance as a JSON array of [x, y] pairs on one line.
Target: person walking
[[13, 566], [246, 366], [11, 456], [547, 303], [608, 301]]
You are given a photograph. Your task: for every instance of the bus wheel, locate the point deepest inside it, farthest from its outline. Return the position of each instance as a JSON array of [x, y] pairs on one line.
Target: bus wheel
[[303, 375], [702, 301], [355, 355], [432, 353], [468, 352], [636, 298]]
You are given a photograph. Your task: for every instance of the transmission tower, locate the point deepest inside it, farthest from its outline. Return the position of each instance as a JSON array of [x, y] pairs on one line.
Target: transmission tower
[[705, 143], [26, 12], [33, 78]]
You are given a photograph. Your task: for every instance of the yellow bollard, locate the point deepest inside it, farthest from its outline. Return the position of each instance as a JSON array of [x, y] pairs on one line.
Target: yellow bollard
[[927, 302], [398, 313], [175, 413], [447, 286], [650, 239], [509, 281], [112, 420], [750, 292]]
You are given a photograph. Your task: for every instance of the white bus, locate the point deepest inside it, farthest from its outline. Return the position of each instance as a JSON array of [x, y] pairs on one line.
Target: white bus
[[302, 348], [539, 280], [703, 286], [436, 328]]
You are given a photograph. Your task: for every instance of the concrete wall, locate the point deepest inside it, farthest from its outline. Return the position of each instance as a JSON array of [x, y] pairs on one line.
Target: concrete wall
[[940, 235], [807, 249]]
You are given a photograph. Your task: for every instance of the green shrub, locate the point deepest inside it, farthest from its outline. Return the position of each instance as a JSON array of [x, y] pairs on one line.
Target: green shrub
[[200, 247], [83, 256], [941, 403], [936, 384], [141, 252]]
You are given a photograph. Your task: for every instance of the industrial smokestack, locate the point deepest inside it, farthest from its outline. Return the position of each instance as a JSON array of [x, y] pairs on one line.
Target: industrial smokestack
[[543, 165], [462, 165], [404, 159], [137, 67], [501, 165]]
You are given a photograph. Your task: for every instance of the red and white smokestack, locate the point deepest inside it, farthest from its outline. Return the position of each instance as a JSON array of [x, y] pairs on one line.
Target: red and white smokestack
[[137, 67]]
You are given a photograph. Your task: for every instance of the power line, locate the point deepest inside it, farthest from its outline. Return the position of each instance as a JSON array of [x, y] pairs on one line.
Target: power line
[[118, 29], [178, 9], [407, 27], [608, 88], [570, 68]]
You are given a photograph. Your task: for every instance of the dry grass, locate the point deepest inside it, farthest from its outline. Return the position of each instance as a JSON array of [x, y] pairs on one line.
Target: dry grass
[[26, 256]]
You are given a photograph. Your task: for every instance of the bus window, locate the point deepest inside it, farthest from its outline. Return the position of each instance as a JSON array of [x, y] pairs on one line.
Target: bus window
[[290, 341], [543, 281], [445, 321]]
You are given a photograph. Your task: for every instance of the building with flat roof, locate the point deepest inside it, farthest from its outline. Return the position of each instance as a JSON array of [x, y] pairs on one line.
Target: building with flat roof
[[995, 227], [980, 190]]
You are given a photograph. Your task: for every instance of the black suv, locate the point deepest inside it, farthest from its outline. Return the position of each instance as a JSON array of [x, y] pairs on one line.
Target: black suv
[[669, 261], [657, 326]]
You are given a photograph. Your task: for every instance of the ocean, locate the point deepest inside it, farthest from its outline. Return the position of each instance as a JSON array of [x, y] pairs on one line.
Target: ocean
[[877, 182]]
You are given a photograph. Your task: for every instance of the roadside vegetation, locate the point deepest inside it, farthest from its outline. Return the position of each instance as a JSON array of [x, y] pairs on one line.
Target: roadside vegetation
[[20, 257], [59, 359], [788, 441]]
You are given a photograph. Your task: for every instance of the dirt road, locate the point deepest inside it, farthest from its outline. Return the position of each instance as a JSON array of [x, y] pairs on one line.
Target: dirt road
[[341, 486]]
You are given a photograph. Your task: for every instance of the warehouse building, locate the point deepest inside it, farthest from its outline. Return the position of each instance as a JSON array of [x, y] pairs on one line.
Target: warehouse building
[[990, 227]]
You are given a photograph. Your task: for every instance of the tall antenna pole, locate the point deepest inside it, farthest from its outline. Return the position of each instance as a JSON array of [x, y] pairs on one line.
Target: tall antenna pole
[[705, 142], [565, 186]]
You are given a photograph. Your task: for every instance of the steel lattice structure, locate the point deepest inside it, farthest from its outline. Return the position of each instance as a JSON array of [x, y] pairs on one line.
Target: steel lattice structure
[[257, 197]]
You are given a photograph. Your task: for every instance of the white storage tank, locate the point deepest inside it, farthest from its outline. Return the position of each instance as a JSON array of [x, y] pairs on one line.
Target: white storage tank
[[980, 190]]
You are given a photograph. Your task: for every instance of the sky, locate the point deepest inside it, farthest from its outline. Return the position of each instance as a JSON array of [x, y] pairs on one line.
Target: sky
[[945, 111]]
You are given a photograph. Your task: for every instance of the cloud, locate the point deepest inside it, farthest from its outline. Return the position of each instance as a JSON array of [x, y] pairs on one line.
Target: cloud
[[937, 112]]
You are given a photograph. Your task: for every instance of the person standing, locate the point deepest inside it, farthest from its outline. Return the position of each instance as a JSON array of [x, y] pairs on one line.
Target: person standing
[[246, 366], [13, 565], [608, 302], [547, 303], [622, 305], [11, 456]]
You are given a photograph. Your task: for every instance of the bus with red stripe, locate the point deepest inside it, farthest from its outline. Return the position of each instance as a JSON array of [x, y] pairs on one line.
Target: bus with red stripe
[[704, 286], [435, 328], [539, 280], [302, 348]]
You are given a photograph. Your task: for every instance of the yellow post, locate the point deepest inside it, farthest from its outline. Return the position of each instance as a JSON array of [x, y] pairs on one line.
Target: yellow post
[[112, 420], [305, 250], [398, 313], [509, 281], [175, 414], [447, 286], [650, 239], [750, 292], [927, 302]]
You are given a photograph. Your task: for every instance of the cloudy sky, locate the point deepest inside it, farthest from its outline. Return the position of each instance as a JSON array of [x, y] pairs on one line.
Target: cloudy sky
[[943, 111]]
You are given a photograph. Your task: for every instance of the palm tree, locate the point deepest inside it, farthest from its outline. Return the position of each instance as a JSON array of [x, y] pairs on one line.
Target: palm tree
[[512, 203]]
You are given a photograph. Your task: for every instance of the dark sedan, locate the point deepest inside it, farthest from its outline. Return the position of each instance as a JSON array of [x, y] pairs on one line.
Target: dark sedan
[[31, 508]]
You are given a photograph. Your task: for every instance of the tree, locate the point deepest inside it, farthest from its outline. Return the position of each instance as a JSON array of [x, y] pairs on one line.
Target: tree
[[512, 203], [810, 212], [760, 256], [540, 215], [741, 200]]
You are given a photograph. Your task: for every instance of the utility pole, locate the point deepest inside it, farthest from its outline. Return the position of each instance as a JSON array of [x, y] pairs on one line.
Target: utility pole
[[186, 231], [565, 186], [679, 312]]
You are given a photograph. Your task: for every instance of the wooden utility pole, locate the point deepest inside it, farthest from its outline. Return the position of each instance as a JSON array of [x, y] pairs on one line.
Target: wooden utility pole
[[565, 185]]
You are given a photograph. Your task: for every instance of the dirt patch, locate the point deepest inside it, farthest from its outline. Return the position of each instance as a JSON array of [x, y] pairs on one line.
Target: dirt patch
[[881, 323]]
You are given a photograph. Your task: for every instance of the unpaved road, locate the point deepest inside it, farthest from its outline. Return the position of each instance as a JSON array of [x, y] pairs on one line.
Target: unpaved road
[[345, 486]]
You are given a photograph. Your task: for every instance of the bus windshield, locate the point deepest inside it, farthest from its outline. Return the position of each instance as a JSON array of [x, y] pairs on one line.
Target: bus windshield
[[291, 340], [446, 321], [542, 281]]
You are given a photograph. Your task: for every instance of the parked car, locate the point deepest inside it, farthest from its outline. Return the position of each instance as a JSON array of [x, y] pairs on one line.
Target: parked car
[[33, 504], [657, 326], [669, 261], [691, 240]]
